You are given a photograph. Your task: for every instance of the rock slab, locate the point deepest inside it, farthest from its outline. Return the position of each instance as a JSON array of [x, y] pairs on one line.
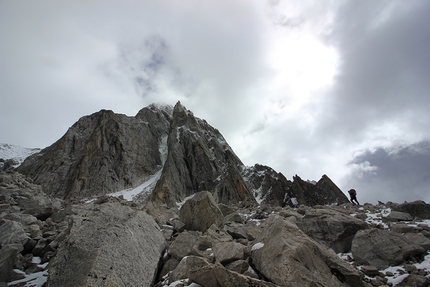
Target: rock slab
[[108, 245]]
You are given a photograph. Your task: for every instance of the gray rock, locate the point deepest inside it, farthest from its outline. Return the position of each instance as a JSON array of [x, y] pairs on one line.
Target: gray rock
[[206, 274], [12, 233], [370, 270], [226, 252], [288, 257], [414, 280], [400, 216], [109, 245], [382, 248], [331, 228], [8, 254], [199, 159], [101, 153], [419, 239], [402, 228], [200, 212], [416, 208], [239, 266], [183, 244]]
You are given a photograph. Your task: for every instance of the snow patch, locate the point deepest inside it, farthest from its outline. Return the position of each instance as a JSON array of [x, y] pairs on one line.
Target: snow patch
[[148, 185], [18, 153], [37, 279], [257, 246]]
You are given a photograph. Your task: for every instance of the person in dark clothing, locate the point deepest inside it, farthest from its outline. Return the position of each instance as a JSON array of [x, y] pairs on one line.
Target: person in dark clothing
[[353, 196]]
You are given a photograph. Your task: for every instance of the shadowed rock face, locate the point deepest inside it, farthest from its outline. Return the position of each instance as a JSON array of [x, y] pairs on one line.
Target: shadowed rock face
[[199, 159], [107, 152], [273, 188], [99, 154]]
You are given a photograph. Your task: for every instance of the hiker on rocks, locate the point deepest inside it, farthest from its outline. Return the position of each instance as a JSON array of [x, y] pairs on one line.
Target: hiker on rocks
[[353, 196]]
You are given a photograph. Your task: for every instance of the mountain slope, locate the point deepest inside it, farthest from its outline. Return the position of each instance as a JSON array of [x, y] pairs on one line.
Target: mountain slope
[[169, 154]]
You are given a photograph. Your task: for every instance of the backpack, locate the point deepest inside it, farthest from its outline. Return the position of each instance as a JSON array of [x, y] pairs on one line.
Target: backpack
[[353, 192]]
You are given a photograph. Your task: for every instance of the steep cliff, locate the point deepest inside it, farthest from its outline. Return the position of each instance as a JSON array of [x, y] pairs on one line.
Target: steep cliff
[[179, 153]]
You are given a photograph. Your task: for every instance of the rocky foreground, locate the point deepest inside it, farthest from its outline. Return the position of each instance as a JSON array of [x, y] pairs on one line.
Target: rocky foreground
[[114, 242], [200, 217]]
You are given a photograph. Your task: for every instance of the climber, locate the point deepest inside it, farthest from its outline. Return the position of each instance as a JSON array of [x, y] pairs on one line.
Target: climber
[[353, 195]]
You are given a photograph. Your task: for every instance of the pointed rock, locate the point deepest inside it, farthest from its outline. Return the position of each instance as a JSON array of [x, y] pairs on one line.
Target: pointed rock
[[199, 159]]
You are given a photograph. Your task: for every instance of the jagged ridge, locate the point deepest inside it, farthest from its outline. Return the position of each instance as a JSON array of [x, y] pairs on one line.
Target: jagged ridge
[[107, 152]]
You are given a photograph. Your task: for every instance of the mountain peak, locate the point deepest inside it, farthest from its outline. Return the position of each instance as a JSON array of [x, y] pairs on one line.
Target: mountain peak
[[169, 154]]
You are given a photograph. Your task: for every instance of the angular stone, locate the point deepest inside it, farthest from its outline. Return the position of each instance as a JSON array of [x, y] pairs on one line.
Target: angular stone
[[184, 244], [206, 274], [382, 248], [200, 212], [419, 239], [12, 233], [414, 280], [369, 270], [109, 245], [331, 228], [400, 216], [402, 228], [226, 252], [239, 266], [288, 257], [416, 208]]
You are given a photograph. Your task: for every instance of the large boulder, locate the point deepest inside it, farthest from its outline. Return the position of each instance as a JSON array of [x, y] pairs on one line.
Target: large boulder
[[383, 248], [200, 212], [12, 241], [288, 257], [201, 271], [331, 228], [416, 208], [109, 245]]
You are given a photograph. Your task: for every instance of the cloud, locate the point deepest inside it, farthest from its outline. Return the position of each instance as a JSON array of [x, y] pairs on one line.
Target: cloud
[[301, 86], [384, 173]]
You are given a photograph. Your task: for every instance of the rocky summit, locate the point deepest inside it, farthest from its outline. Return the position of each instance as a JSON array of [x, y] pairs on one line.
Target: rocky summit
[[161, 199]]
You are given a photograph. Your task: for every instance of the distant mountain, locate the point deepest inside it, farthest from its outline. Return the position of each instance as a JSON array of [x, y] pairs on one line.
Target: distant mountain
[[169, 152], [15, 154]]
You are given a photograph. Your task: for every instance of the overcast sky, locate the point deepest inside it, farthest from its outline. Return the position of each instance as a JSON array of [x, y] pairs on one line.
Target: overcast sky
[[307, 87]]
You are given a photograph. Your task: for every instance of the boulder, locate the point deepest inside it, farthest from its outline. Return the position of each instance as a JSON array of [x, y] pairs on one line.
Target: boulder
[[109, 245], [200, 212], [383, 248], [12, 233], [402, 228], [288, 257], [331, 228], [226, 252], [414, 280], [184, 244], [419, 239], [8, 254], [200, 271], [416, 208], [400, 216]]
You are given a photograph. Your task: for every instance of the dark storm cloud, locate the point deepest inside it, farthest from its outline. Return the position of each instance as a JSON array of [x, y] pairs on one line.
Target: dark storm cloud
[[384, 64], [397, 172]]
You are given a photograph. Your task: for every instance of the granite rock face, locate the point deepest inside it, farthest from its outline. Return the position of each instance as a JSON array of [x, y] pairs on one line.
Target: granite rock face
[[101, 153], [199, 159], [288, 257], [382, 248], [273, 188], [108, 245]]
